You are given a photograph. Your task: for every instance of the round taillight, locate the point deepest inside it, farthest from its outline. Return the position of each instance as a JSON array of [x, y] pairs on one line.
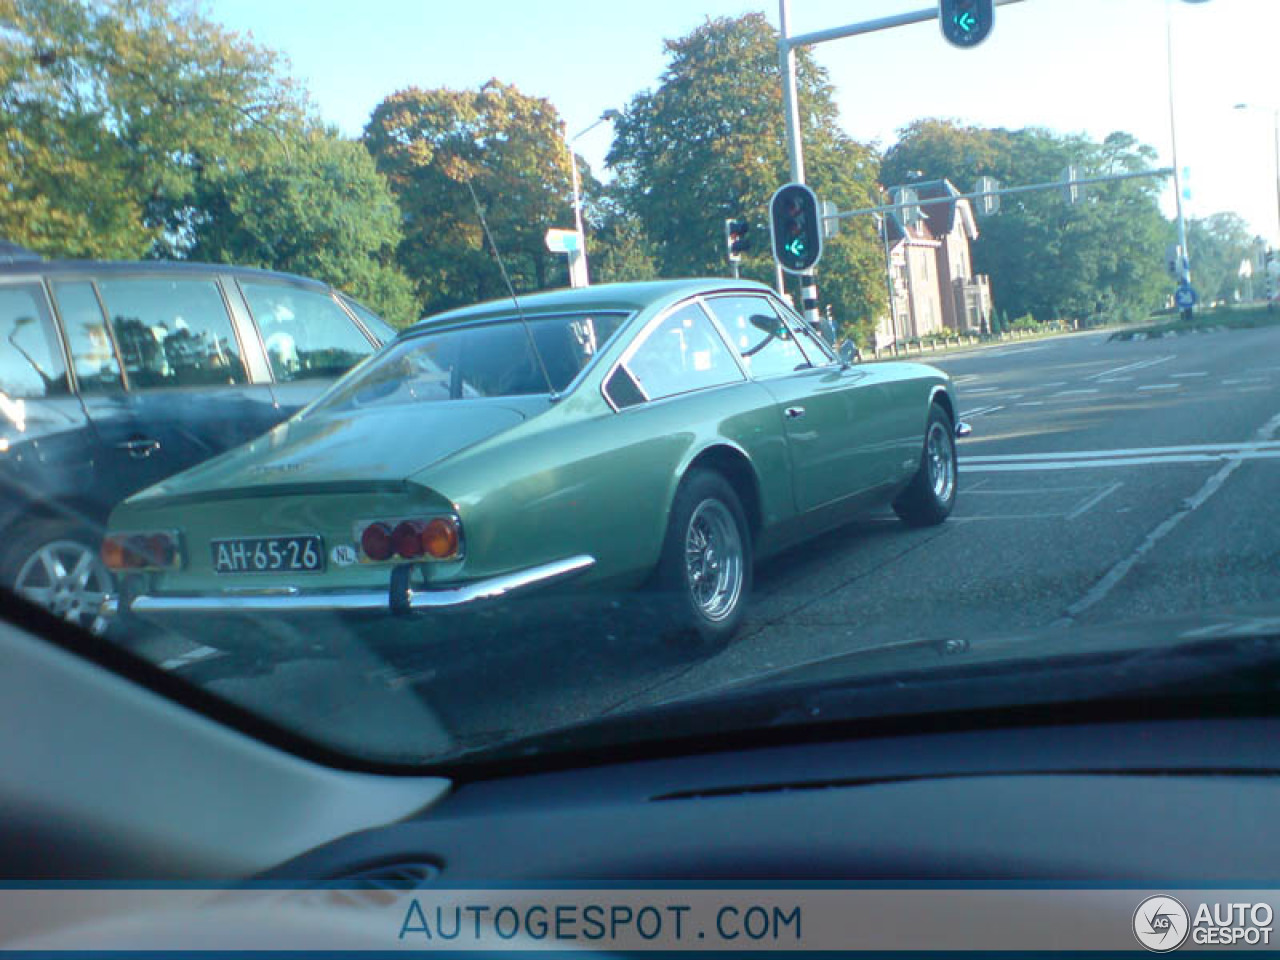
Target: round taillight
[[440, 538], [406, 539], [113, 553], [375, 541], [159, 550], [135, 552]]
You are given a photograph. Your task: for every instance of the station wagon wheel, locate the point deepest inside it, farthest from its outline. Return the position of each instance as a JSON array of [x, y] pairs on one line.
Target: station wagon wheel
[[704, 575], [931, 494], [57, 567]]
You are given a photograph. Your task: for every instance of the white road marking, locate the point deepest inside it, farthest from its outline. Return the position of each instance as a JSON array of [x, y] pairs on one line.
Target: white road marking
[[1030, 403], [981, 390], [1161, 386], [1094, 500], [1116, 380], [980, 411], [1238, 380], [1198, 373], [1037, 491], [1103, 587], [1126, 452], [191, 656], [1008, 516], [1129, 367], [1074, 393], [1121, 462], [1056, 383], [967, 378]]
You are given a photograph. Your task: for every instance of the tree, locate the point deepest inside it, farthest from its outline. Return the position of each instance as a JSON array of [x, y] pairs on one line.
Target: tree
[[709, 144], [1218, 244], [430, 144], [1102, 256], [313, 204], [113, 111]]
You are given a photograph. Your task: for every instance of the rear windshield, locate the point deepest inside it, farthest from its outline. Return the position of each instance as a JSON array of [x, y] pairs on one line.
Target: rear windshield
[[495, 359]]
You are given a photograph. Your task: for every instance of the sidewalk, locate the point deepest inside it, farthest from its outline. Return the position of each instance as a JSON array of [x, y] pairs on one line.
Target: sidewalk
[[965, 343]]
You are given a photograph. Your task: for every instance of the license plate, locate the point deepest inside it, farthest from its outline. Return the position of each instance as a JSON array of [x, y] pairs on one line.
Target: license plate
[[268, 555]]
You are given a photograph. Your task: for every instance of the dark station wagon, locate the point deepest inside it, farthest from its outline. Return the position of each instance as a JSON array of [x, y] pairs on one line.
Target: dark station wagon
[[114, 376]]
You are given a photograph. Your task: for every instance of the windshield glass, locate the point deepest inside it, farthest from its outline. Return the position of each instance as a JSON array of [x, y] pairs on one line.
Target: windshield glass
[[622, 387], [508, 358]]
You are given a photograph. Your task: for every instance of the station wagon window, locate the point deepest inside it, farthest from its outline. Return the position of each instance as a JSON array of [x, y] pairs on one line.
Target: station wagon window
[[681, 354], [307, 335], [373, 323], [172, 333], [30, 359], [92, 354], [762, 339]]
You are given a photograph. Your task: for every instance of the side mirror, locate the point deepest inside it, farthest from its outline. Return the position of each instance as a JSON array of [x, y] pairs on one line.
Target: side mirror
[[848, 352]]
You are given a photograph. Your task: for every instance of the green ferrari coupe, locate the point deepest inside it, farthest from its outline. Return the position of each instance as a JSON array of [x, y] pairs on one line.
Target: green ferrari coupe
[[661, 435]]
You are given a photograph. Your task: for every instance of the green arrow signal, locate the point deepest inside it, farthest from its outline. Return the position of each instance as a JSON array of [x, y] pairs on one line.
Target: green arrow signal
[[795, 247], [965, 21]]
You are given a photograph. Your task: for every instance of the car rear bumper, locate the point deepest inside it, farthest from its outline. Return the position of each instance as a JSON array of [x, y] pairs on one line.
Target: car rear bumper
[[399, 598]]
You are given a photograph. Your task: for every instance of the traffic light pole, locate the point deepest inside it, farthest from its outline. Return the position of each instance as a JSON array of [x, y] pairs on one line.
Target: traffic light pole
[[787, 45]]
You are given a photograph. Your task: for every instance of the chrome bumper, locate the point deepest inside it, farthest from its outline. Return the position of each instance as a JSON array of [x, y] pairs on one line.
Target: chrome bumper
[[293, 600], [963, 429]]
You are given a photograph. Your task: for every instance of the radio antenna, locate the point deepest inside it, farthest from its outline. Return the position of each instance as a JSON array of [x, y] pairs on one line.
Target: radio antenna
[[524, 322]]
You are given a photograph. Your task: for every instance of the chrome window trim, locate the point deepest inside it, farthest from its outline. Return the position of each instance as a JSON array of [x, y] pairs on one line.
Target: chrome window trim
[[781, 316], [643, 335], [799, 325]]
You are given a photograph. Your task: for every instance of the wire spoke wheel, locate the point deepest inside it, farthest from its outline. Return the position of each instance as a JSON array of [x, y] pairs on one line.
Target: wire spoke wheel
[[942, 462], [714, 560]]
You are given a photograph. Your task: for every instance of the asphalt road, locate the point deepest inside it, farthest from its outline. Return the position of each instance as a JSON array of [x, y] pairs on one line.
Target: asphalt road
[[1105, 482]]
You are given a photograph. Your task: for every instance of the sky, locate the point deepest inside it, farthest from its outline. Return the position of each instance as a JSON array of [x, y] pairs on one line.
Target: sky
[[1090, 66]]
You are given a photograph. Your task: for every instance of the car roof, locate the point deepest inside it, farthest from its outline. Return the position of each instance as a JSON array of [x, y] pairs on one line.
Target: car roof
[[629, 297], [177, 267]]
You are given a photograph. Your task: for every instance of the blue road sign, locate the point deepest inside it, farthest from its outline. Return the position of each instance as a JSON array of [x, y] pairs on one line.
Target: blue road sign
[[1185, 296]]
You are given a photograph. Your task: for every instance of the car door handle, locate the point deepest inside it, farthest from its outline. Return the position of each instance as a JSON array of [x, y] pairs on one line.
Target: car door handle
[[794, 413], [139, 447]]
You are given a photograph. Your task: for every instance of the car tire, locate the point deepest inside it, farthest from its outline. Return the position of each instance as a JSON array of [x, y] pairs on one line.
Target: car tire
[[55, 564], [705, 570], [931, 494]]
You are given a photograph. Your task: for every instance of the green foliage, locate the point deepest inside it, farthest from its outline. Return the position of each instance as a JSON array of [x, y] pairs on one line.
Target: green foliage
[[510, 147], [1218, 245], [709, 144], [113, 111], [312, 204], [1044, 256]]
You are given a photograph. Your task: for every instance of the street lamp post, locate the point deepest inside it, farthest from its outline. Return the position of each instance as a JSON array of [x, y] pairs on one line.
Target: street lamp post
[[1184, 266], [578, 259], [1275, 123]]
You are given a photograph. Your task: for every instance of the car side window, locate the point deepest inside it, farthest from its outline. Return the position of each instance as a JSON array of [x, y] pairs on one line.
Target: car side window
[[818, 353], [92, 354], [683, 353], [307, 335], [172, 332], [762, 339], [31, 362], [373, 323]]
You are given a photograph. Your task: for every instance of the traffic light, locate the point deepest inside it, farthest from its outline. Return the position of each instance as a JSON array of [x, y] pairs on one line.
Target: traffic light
[[966, 23], [796, 228], [736, 241]]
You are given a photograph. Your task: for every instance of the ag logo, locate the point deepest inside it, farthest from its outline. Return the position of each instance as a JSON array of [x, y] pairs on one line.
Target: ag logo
[[343, 555], [1161, 923]]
